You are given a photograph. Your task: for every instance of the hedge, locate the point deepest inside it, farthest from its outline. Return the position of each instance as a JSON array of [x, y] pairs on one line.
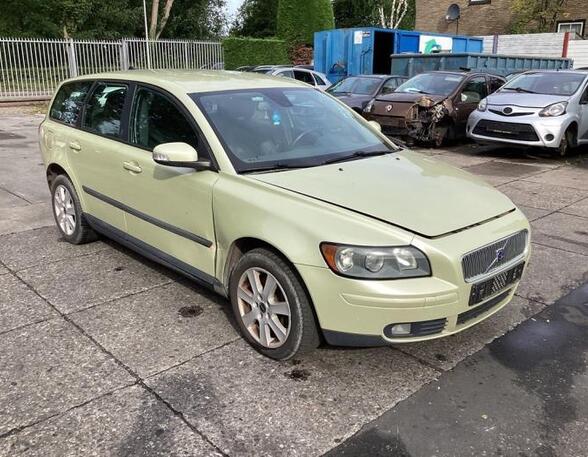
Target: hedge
[[254, 51], [299, 19]]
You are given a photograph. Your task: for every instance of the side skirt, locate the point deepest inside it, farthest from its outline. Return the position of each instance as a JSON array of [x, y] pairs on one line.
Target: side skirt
[[155, 254]]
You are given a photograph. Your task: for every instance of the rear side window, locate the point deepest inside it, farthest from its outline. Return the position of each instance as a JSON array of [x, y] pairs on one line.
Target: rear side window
[[286, 74], [68, 102], [320, 81], [104, 109], [156, 120], [304, 76]]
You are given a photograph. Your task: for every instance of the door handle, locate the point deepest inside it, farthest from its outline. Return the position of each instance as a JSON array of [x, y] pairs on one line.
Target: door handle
[[75, 146], [132, 166]]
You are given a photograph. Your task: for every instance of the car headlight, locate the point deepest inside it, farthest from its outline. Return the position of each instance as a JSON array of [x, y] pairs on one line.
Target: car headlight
[[368, 108], [483, 105], [376, 262], [556, 109]]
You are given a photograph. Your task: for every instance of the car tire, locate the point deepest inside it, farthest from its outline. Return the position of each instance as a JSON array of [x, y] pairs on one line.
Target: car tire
[[68, 213], [271, 306], [568, 142]]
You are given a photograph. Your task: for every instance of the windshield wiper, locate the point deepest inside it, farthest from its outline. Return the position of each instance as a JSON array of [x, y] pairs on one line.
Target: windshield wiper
[[276, 167], [520, 89], [357, 155]]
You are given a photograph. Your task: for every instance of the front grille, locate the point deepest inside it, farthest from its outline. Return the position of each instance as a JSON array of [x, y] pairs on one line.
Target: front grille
[[421, 328], [506, 130], [502, 113], [493, 256], [483, 308]]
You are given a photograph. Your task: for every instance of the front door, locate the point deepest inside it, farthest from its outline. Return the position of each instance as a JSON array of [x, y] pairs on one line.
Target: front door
[[168, 208], [467, 99], [583, 111]]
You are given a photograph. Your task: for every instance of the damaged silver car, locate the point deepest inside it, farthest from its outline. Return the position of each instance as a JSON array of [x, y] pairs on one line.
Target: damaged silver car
[[432, 107]]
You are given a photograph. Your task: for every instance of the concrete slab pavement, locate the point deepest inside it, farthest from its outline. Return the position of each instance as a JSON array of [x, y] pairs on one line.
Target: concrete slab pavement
[[146, 363]]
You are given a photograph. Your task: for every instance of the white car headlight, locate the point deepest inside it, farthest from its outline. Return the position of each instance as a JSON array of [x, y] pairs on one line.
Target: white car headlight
[[368, 108], [483, 105], [376, 262], [556, 109]]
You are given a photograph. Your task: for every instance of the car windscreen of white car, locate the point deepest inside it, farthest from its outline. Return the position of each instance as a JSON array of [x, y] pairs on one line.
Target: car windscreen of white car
[[431, 83], [548, 83], [277, 128]]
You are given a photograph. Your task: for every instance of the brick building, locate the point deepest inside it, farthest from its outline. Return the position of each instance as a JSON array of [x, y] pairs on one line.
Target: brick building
[[488, 17]]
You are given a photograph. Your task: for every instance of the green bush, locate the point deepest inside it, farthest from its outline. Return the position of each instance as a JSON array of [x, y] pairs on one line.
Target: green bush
[[299, 19], [254, 51]]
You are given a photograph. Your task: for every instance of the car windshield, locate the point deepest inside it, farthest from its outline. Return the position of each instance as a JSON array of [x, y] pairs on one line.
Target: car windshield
[[431, 83], [359, 86], [549, 83], [277, 128]]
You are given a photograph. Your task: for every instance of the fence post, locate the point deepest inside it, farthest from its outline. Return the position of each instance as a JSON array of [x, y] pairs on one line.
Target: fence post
[[124, 55], [71, 54], [186, 55]]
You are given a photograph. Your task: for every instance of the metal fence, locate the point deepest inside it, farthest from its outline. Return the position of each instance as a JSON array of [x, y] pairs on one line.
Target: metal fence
[[32, 68]]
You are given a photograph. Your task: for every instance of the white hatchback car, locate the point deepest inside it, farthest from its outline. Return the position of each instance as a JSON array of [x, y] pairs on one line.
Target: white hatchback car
[[538, 108], [314, 78]]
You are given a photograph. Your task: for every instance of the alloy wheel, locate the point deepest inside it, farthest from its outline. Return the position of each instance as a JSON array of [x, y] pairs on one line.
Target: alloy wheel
[[64, 208], [263, 307]]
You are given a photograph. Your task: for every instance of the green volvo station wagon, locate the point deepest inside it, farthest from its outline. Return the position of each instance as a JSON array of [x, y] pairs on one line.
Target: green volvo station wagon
[[314, 224]]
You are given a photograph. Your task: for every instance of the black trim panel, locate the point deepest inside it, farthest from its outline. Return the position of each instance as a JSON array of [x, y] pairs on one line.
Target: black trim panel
[[152, 253], [335, 338], [159, 223]]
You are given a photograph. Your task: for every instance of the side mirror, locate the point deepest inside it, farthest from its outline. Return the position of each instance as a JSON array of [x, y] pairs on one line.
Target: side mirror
[[376, 125], [178, 155]]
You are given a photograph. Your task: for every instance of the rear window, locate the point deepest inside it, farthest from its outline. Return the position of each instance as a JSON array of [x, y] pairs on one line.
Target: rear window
[[68, 102]]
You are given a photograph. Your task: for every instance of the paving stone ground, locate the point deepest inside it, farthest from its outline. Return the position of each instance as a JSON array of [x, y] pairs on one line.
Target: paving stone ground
[[105, 353]]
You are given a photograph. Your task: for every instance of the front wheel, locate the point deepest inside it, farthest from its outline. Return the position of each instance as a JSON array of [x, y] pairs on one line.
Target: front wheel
[[271, 306], [568, 141]]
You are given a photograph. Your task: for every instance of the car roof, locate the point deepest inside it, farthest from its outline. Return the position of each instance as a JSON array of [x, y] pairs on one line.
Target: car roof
[[572, 71], [190, 81], [376, 76]]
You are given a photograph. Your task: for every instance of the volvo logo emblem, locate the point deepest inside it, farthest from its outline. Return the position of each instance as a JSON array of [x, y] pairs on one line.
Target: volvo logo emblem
[[507, 110], [500, 254], [389, 108]]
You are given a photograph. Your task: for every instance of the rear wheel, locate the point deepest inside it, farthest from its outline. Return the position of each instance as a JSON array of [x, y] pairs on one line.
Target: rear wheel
[[271, 306], [68, 214]]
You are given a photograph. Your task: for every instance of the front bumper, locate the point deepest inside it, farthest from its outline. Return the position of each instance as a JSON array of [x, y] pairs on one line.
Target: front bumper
[[355, 312], [548, 131]]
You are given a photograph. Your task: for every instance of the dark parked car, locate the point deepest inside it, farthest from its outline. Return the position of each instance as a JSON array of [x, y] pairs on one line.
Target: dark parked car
[[357, 91], [433, 106]]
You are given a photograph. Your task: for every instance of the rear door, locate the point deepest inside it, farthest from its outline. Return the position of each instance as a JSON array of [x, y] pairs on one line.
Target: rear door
[[94, 150], [168, 208]]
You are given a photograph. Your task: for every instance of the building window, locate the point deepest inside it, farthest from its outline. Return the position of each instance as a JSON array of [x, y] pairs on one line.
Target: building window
[[571, 26]]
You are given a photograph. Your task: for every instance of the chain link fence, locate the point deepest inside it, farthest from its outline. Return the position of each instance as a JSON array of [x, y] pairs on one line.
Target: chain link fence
[[32, 68]]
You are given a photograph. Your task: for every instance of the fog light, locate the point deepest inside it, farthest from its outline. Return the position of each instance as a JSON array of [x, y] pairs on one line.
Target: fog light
[[549, 137], [400, 330]]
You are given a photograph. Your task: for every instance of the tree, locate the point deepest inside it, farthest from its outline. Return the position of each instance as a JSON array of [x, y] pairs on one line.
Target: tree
[[159, 18], [299, 19], [256, 18], [365, 13], [535, 16], [391, 15], [202, 19]]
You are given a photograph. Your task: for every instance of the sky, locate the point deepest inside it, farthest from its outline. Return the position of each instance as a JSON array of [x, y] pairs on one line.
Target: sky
[[233, 5]]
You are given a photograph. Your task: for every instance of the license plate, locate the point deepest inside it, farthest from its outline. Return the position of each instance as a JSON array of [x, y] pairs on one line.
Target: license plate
[[495, 284]]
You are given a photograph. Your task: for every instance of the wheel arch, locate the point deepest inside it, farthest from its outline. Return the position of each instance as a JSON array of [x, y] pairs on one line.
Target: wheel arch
[[242, 246], [55, 169]]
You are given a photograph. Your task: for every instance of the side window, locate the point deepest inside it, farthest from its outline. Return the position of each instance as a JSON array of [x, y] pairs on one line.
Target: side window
[[584, 98], [304, 76], [68, 102], [474, 90], [104, 109], [495, 84], [156, 120], [320, 81], [286, 74], [389, 86]]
